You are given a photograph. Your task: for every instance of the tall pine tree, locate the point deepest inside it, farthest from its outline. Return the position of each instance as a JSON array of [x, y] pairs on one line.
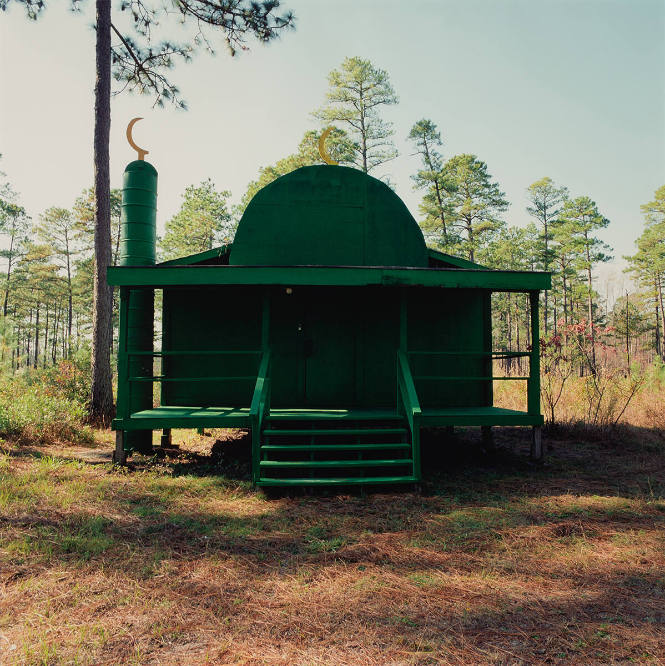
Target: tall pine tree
[[357, 91]]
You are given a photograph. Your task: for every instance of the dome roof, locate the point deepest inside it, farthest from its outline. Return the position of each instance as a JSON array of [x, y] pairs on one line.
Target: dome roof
[[328, 216]]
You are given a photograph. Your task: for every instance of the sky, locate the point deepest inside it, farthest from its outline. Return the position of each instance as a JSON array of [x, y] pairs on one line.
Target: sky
[[570, 89]]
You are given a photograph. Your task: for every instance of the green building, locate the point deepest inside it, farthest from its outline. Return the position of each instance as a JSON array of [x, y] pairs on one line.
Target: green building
[[328, 328]]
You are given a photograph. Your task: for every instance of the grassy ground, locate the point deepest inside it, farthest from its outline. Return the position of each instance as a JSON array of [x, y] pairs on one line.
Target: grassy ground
[[181, 562]]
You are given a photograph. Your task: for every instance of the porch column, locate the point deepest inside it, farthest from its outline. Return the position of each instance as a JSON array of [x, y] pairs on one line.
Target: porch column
[[533, 388]]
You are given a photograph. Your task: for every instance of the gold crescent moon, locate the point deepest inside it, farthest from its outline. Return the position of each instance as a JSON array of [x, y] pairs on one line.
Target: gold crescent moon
[[142, 153], [322, 146]]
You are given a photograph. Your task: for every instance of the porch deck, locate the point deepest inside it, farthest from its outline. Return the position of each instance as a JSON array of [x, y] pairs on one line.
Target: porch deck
[[239, 417]]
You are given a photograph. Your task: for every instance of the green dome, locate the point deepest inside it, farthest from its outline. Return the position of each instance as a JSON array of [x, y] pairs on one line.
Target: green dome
[[327, 216]]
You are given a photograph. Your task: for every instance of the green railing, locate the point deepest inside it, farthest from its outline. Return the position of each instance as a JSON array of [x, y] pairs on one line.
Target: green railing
[[531, 379], [125, 380], [259, 409], [408, 401]]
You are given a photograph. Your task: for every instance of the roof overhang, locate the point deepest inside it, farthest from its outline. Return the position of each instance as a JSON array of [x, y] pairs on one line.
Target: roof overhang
[[342, 276]]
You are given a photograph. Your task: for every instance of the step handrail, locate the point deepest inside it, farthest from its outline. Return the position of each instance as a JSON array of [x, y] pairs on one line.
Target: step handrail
[[408, 400], [259, 409]]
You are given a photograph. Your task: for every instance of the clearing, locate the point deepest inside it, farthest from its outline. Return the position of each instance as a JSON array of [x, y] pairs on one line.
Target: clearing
[[179, 561]]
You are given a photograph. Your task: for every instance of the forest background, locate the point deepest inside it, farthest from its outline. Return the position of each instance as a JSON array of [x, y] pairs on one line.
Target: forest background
[[602, 329]]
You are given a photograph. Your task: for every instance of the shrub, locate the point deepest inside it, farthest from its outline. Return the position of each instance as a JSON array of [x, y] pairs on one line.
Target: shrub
[[31, 410]]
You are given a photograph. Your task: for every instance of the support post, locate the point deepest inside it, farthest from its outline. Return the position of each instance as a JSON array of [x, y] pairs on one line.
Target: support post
[[120, 455], [167, 438], [533, 386], [537, 444]]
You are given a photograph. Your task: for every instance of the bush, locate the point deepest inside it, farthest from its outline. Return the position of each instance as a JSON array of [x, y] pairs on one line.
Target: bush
[[32, 410], [71, 378]]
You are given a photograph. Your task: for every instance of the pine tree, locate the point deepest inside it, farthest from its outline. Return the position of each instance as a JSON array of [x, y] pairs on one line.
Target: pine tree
[[202, 222], [56, 231], [14, 225], [430, 178], [475, 201], [648, 263], [579, 219], [545, 200], [356, 93]]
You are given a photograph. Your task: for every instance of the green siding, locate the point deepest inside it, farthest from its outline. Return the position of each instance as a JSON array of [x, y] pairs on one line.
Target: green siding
[[447, 321], [211, 319]]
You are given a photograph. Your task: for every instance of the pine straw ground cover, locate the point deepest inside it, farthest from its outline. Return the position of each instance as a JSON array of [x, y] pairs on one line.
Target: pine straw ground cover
[[496, 561]]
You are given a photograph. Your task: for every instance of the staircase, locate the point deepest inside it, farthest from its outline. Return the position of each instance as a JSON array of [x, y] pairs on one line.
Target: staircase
[[302, 447]]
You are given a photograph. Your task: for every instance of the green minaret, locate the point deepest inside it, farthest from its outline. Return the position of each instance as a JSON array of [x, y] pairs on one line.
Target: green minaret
[[138, 236]]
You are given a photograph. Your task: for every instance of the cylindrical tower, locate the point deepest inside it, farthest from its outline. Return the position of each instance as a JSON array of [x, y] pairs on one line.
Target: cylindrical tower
[[138, 236]]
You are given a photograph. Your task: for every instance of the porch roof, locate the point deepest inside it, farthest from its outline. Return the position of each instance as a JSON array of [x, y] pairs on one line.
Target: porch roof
[[160, 276]]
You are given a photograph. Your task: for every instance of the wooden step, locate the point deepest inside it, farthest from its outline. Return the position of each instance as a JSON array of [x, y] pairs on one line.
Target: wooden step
[[335, 463], [356, 481], [333, 415], [270, 432], [334, 447]]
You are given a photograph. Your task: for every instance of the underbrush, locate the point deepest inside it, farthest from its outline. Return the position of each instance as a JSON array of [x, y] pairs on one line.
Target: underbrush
[[45, 406], [602, 404]]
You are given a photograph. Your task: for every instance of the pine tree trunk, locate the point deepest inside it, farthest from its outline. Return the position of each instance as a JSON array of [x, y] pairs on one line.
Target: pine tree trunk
[[45, 338], [590, 309], [547, 261], [70, 295], [34, 365], [10, 256], [662, 316], [101, 404]]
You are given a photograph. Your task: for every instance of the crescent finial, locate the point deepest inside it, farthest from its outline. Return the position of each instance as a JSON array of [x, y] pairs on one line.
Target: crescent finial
[[142, 153], [322, 146]]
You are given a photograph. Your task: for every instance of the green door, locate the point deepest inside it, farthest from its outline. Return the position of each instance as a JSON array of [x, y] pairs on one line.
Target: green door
[[313, 337], [329, 345]]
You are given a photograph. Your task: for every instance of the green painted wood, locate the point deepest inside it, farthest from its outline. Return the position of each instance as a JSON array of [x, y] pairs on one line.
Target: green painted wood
[[467, 378], [533, 386], [440, 259], [410, 404], [259, 408], [332, 414], [334, 447], [478, 416], [343, 276], [328, 215], [137, 246], [356, 322], [200, 257], [307, 432], [350, 481], [493, 354], [199, 321], [286, 464]]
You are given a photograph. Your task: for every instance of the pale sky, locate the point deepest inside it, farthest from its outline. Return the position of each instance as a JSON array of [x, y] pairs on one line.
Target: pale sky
[[571, 89]]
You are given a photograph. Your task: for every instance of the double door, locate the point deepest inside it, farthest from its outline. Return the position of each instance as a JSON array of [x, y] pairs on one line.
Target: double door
[[315, 338]]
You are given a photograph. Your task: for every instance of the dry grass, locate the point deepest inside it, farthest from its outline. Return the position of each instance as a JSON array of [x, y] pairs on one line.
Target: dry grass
[[645, 410], [496, 562]]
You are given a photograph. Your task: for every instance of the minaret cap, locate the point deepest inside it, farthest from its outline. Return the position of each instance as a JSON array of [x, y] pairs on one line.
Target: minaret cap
[[141, 152]]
